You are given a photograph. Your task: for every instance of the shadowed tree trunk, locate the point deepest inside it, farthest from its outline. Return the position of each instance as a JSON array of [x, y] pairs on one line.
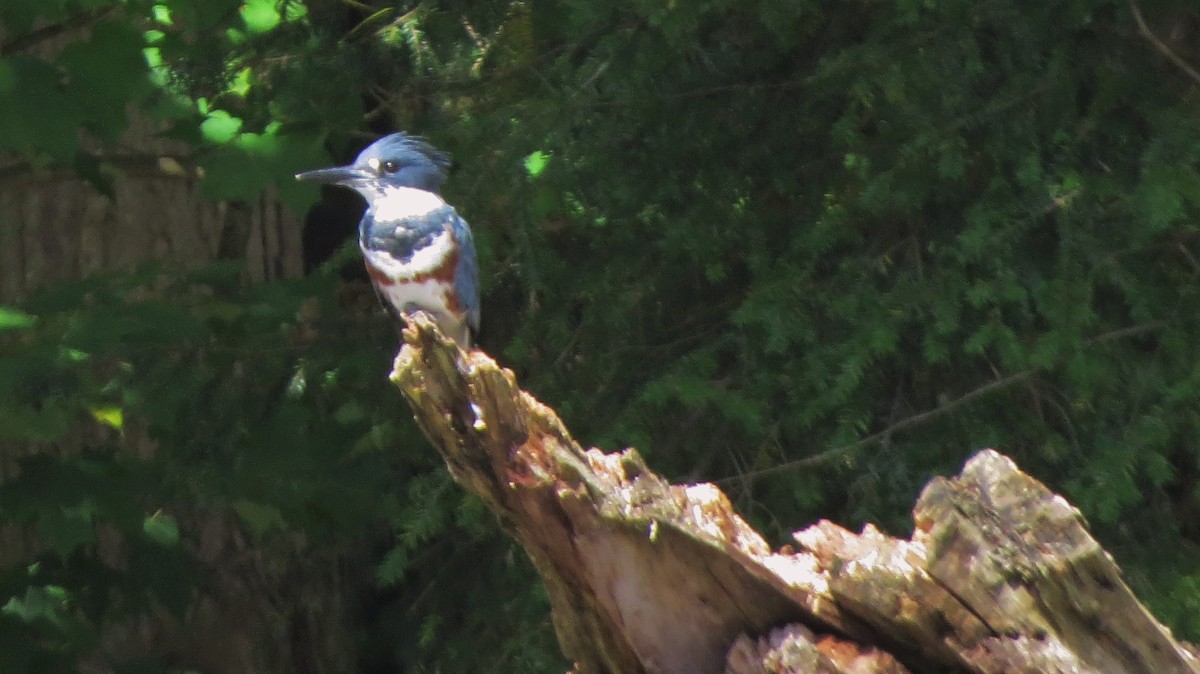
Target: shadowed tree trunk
[[270, 608], [1000, 574], [59, 227]]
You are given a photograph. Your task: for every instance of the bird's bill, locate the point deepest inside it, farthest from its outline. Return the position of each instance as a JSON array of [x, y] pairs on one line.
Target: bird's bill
[[338, 175]]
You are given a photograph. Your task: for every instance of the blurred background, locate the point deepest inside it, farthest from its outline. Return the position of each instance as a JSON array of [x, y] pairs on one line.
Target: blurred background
[[814, 251]]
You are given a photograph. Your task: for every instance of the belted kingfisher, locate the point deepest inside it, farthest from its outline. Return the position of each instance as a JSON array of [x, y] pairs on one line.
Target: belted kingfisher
[[418, 250]]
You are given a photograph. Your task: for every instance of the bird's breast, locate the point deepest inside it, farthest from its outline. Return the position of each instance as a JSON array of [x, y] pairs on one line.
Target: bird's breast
[[408, 240], [431, 289], [429, 265], [435, 256]]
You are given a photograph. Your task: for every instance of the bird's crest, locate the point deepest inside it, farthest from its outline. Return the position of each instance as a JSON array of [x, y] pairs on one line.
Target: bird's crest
[[407, 151]]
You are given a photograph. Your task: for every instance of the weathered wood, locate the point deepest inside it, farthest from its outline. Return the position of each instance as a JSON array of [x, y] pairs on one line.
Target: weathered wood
[[1000, 574]]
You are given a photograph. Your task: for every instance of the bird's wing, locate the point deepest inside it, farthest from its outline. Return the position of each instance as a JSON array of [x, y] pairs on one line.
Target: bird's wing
[[365, 225], [466, 275]]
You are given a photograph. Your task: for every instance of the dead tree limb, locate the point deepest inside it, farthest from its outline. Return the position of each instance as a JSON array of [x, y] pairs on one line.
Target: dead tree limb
[[1000, 574]]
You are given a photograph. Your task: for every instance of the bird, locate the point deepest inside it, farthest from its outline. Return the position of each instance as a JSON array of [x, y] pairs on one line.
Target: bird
[[419, 253]]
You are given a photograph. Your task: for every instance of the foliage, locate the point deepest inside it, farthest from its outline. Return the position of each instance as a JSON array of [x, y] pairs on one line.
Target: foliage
[[818, 251]]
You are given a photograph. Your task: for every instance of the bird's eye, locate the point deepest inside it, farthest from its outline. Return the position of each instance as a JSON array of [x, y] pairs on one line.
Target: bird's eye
[[390, 166]]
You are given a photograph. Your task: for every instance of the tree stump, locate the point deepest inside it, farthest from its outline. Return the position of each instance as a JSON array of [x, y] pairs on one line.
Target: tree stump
[[1000, 574]]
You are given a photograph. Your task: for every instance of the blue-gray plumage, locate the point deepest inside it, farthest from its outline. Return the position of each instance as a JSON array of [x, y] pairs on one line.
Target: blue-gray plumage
[[418, 251]]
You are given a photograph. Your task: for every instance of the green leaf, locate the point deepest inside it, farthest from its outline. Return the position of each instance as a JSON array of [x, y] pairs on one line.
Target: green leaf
[[535, 163], [24, 122], [161, 14], [241, 82], [111, 416], [220, 127], [261, 16], [67, 528], [162, 529], [49, 603], [13, 319], [105, 74], [294, 11]]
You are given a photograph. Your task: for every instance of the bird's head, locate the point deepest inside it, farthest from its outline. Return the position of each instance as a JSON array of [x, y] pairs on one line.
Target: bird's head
[[397, 160]]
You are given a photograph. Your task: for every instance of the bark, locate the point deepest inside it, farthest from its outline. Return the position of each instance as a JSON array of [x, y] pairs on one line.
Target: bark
[[269, 607], [1000, 574], [59, 227]]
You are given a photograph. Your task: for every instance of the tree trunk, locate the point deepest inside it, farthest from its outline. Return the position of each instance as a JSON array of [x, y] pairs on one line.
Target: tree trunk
[[59, 227], [1000, 574], [271, 599]]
